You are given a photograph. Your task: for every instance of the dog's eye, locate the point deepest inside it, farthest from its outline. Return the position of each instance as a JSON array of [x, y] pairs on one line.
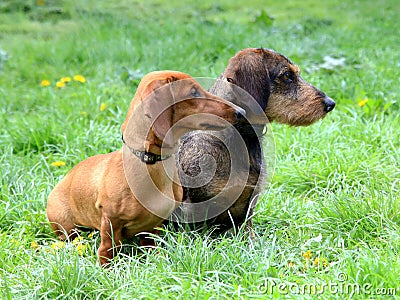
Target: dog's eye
[[194, 92], [287, 77]]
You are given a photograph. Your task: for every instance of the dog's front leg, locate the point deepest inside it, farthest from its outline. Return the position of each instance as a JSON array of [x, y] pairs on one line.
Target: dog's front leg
[[111, 239]]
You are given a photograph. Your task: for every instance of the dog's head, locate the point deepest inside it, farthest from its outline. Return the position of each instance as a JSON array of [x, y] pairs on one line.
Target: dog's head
[[275, 83], [171, 98]]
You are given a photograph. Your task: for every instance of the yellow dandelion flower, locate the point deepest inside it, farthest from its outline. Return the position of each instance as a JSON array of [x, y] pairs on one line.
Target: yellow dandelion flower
[[58, 163], [60, 84], [34, 245], [65, 79], [325, 263], [45, 83], [81, 248], [316, 262], [77, 240], [363, 102], [58, 245], [103, 106], [307, 255], [79, 78]]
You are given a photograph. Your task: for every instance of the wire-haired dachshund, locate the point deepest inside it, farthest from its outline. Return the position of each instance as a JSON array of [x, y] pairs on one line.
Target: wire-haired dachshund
[[276, 85]]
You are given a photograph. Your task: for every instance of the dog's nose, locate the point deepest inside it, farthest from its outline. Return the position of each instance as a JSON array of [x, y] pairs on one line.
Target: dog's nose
[[329, 104], [240, 113]]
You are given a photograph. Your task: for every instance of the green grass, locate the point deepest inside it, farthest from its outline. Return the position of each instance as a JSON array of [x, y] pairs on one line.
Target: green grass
[[336, 186]]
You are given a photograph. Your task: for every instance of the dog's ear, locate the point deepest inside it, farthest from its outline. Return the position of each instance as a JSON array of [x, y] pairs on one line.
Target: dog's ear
[[145, 89], [158, 107], [249, 71]]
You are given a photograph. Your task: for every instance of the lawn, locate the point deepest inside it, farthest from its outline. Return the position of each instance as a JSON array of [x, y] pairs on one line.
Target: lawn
[[329, 222]]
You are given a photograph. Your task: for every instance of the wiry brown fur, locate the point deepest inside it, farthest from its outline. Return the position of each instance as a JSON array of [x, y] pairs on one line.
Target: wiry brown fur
[[275, 83]]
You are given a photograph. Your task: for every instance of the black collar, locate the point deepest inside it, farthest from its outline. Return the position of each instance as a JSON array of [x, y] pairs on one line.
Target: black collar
[[147, 157]]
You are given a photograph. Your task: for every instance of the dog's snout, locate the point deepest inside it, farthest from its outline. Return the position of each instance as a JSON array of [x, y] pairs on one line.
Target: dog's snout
[[240, 114], [329, 104]]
